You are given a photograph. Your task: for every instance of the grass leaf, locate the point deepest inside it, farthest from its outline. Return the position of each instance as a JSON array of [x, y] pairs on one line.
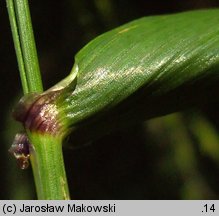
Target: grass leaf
[[146, 68], [149, 67]]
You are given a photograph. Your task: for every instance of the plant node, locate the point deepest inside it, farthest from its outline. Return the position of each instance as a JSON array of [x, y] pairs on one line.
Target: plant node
[[38, 112]]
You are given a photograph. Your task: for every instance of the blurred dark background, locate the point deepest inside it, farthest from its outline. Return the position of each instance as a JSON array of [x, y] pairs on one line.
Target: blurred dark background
[[175, 157]]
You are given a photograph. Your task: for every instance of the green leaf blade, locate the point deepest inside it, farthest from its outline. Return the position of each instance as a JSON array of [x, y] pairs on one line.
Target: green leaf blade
[[147, 68], [157, 53]]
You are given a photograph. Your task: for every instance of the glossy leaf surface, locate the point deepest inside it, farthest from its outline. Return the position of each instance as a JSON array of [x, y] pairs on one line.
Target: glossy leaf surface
[[149, 67]]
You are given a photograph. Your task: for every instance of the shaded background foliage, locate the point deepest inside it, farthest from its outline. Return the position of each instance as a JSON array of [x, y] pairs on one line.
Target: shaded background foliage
[[175, 157]]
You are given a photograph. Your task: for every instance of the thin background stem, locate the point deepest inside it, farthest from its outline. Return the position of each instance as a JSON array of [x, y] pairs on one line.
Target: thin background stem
[[17, 45], [25, 47]]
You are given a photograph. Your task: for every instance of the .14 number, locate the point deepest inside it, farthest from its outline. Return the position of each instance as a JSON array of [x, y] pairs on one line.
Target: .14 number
[[209, 208]]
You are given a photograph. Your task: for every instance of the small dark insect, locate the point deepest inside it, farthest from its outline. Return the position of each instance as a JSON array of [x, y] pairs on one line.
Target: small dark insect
[[20, 150]]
